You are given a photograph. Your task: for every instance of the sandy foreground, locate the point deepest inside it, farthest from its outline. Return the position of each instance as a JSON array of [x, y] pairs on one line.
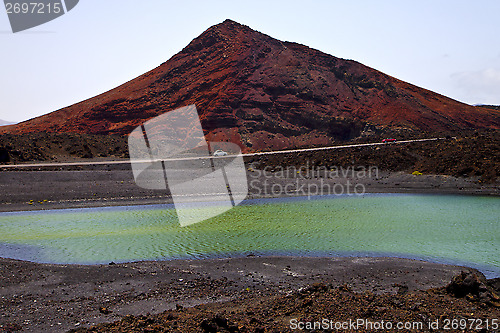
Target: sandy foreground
[[56, 298]]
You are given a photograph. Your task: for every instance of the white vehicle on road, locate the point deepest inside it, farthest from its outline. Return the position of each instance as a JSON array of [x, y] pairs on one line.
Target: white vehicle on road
[[219, 152]]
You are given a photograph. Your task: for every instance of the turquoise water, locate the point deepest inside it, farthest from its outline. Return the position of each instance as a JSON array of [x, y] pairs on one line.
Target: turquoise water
[[441, 228]]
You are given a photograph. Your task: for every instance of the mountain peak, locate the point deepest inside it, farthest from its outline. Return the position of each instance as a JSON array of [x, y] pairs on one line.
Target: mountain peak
[[227, 32], [265, 94], [230, 26], [229, 22]]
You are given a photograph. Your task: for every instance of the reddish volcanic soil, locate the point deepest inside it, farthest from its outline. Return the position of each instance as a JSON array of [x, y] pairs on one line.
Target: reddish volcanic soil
[[262, 93]]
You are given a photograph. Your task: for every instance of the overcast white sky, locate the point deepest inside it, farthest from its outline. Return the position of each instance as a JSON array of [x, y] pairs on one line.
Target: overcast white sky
[[448, 46]]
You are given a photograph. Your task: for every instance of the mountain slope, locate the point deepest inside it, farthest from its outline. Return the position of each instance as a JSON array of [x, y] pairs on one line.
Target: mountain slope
[[5, 122], [264, 93]]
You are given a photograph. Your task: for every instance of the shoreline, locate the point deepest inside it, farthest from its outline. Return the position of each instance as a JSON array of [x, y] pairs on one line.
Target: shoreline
[[118, 203], [490, 272], [114, 185], [85, 183], [56, 298]]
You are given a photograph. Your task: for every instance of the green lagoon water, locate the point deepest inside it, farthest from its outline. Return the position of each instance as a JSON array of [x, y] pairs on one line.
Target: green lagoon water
[[442, 228]]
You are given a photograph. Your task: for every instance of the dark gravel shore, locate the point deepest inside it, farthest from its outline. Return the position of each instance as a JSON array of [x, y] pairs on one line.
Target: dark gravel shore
[[109, 185], [56, 298]]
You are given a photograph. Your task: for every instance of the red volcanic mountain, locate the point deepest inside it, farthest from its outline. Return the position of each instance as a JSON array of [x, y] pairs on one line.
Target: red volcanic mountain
[[264, 93]]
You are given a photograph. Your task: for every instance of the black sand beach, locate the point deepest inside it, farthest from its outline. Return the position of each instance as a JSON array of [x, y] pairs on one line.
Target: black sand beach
[[56, 298], [41, 188]]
